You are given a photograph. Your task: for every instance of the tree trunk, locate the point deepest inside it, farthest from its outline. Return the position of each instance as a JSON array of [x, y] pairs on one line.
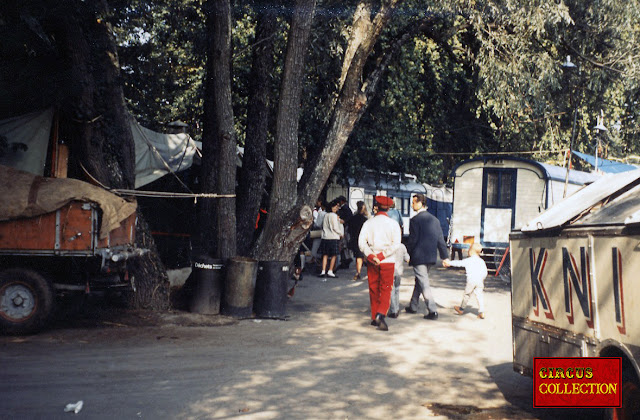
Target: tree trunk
[[101, 138], [253, 173], [352, 99], [219, 141], [285, 231], [288, 221]]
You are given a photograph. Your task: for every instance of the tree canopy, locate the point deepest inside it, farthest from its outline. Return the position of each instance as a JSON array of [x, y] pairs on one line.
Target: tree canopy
[[483, 77], [409, 86]]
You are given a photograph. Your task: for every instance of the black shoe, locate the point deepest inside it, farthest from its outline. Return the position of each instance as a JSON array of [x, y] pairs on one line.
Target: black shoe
[[382, 325], [432, 315], [393, 315], [409, 310], [374, 323]]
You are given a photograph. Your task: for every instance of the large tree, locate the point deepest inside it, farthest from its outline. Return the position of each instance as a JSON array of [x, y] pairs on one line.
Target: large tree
[[290, 202], [77, 42]]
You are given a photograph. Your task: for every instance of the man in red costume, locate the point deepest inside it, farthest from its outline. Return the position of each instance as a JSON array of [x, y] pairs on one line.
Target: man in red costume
[[379, 239]]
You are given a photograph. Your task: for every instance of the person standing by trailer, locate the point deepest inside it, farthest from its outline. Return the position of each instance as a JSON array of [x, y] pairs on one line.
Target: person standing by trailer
[[355, 226], [395, 215], [345, 214], [402, 256], [379, 240], [332, 233], [316, 231], [425, 240]]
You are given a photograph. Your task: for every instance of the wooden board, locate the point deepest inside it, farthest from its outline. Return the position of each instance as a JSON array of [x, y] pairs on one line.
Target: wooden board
[[123, 235], [74, 226], [33, 233]]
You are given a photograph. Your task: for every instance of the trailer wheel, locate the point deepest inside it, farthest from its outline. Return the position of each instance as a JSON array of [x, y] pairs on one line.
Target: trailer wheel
[[26, 301]]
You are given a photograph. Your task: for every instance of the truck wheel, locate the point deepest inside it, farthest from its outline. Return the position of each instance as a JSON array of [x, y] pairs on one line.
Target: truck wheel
[[630, 401], [26, 301]]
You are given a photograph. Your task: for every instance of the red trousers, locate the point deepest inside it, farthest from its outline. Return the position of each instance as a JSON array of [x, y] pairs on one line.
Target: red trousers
[[380, 284]]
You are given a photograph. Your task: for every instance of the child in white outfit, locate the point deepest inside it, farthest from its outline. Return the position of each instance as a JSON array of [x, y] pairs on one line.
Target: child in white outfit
[[476, 271], [401, 256]]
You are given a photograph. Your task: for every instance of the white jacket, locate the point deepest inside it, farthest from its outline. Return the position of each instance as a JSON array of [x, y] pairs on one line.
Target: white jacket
[[380, 235]]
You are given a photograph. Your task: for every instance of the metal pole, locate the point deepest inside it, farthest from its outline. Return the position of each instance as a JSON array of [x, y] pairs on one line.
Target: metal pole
[[573, 135], [597, 147]]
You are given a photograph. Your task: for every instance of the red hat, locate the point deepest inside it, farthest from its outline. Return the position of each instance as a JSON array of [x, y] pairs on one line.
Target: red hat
[[383, 201]]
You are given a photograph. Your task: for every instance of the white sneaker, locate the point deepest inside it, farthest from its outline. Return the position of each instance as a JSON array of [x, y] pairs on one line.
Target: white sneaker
[[330, 274]]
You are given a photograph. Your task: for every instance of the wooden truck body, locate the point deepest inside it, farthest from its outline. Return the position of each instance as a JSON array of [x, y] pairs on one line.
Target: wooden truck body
[[573, 281], [57, 253]]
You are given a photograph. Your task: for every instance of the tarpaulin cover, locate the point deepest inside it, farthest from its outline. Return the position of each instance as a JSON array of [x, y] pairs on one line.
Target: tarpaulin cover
[[31, 130], [157, 154], [26, 195], [605, 165]]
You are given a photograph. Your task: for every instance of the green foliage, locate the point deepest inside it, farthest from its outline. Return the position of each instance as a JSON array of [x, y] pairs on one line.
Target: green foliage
[[161, 52], [486, 78], [522, 82]]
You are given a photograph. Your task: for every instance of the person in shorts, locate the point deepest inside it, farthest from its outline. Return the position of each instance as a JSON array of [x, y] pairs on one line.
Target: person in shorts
[[332, 233]]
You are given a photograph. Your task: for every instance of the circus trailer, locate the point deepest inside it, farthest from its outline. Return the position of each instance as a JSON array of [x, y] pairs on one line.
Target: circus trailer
[[573, 276], [400, 187], [494, 195]]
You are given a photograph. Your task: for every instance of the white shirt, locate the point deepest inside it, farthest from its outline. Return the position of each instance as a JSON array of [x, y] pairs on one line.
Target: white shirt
[[380, 234], [402, 256], [475, 268], [319, 219]]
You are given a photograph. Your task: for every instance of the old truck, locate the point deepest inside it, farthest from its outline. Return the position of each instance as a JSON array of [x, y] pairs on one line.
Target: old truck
[[58, 235], [573, 284]]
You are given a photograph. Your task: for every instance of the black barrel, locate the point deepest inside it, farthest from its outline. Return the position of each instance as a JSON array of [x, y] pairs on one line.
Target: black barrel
[[239, 287], [208, 276], [271, 289]]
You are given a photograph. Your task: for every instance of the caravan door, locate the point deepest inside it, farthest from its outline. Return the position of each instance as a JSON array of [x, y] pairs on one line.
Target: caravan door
[[355, 194], [498, 205]]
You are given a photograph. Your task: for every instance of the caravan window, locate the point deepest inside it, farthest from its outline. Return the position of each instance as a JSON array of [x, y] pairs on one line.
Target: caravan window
[[404, 206], [499, 188]]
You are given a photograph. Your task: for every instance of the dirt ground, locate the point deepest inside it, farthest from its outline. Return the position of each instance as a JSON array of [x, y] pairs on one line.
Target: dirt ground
[[323, 362]]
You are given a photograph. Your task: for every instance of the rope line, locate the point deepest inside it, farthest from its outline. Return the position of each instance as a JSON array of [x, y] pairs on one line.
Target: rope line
[[160, 194], [164, 194], [500, 153]]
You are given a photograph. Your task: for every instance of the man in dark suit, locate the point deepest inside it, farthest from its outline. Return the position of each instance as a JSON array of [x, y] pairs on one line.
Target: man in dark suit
[[425, 241]]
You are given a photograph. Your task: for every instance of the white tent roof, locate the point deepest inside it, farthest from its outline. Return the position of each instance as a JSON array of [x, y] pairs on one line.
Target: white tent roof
[[157, 154], [240, 154]]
